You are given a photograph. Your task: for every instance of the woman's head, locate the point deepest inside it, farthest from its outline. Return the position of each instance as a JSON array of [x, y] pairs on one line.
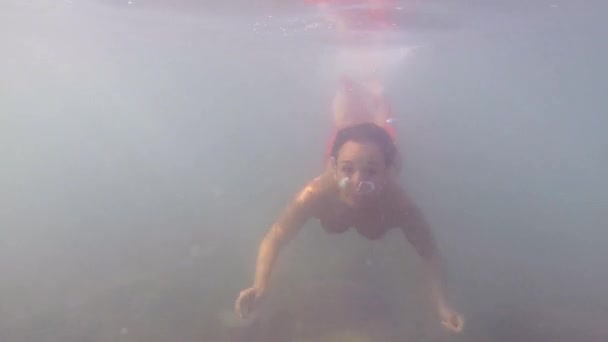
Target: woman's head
[[362, 156]]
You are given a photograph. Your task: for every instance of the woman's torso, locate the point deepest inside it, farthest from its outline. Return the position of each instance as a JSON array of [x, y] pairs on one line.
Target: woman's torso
[[372, 220]]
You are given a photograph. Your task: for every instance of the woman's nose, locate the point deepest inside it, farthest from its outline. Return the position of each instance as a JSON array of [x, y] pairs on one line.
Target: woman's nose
[[356, 178]]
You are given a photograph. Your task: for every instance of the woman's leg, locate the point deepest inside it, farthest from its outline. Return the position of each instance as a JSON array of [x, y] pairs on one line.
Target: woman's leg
[[356, 103]]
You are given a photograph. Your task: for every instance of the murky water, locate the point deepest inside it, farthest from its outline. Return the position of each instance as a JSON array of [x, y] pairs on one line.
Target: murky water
[[146, 148]]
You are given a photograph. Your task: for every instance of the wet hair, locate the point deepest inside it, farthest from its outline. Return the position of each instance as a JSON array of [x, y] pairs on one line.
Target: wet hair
[[366, 133]]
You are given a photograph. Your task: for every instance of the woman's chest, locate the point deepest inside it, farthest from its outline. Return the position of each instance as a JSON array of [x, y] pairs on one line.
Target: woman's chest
[[371, 223]]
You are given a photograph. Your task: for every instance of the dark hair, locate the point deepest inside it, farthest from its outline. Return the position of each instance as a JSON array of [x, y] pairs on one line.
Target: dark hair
[[366, 132]]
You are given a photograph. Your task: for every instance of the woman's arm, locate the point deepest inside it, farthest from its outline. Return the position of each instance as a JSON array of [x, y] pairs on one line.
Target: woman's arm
[[287, 225], [292, 219], [418, 233]]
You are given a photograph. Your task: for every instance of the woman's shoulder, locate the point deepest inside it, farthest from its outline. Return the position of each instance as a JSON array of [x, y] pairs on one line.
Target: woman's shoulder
[[316, 192], [397, 198], [318, 188]]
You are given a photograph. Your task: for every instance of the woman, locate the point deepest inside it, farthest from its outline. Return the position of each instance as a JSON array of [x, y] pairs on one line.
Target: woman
[[358, 190]]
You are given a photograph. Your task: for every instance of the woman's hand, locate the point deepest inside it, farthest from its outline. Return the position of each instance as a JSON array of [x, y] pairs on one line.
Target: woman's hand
[[451, 320], [248, 300]]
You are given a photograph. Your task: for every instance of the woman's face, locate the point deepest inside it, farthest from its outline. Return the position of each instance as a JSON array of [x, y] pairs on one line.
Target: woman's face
[[360, 172]]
